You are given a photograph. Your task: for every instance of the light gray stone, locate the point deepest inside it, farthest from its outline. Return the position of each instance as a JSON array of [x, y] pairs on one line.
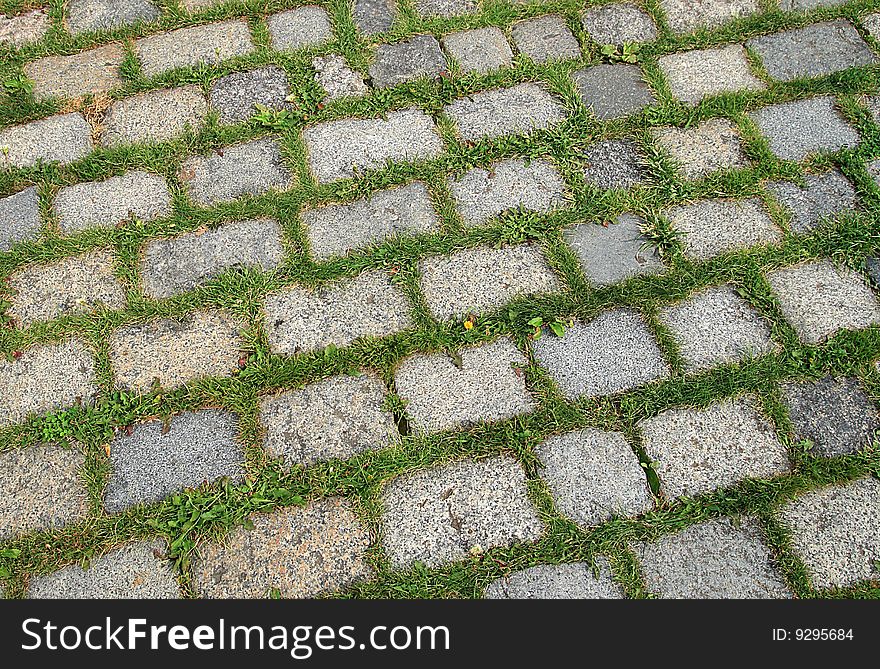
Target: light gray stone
[[545, 38], [299, 28], [19, 218], [563, 581], [613, 91], [87, 15], [335, 76], [24, 28], [155, 116], [441, 515], [684, 16], [614, 163], [407, 60], [822, 197], [64, 139], [806, 5], [446, 7], [612, 353], [873, 170], [482, 384], [871, 23], [619, 23], [210, 44], [193, 6], [374, 16], [481, 50], [694, 75], [236, 96], [696, 451], [711, 146], [94, 72]]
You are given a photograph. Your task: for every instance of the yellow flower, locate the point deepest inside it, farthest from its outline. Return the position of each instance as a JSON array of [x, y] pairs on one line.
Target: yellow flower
[[468, 324]]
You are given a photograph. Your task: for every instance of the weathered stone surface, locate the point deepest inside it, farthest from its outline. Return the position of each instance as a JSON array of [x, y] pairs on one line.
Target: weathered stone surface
[[684, 16], [338, 417], [72, 285], [24, 28], [696, 451], [211, 43], [484, 279], [40, 489], [335, 76], [716, 559], [694, 75], [299, 320], [712, 227], [612, 353], [46, 378], [63, 139], [439, 515], [594, 476], [175, 351], [346, 148], [805, 5], [872, 266], [250, 168], [834, 531], [236, 95], [481, 194], [813, 51], [134, 571], [158, 459], [337, 229], [873, 170], [796, 129], [545, 38], [19, 218], [822, 197], [563, 581], [299, 28], [407, 60], [88, 72], [613, 91], [717, 327], [614, 163], [139, 195], [871, 23], [374, 16], [301, 552], [517, 110], [613, 252], [619, 23], [483, 384], [711, 146], [482, 50], [446, 7], [156, 116], [86, 15], [819, 299]]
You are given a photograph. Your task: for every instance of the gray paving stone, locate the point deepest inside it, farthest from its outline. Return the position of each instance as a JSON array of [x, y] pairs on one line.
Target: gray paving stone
[[819, 299], [694, 75], [299, 28], [871, 23], [873, 169], [446, 7], [696, 451], [612, 353], [40, 489], [614, 163], [407, 60], [302, 552], [563, 581], [615, 252], [834, 531], [346, 148], [482, 386], [545, 38], [175, 351], [338, 417], [481, 194], [836, 415], [440, 515], [374, 16], [46, 378], [236, 95], [594, 476], [338, 229], [872, 266], [194, 6], [717, 327], [517, 110], [133, 571], [822, 197], [335, 76], [684, 16], [482, 50], [796, 129], [250, 168], [137, 194], [619, 23], [712, 227], [299, 319], [24, 28], [63, 139], [155, 116], [159, 459], [187, 47], [175, 265], [19, 218], [805, 5], [716, 559], [94, 72], [72, 285], [613, 91], [86, 15], [711, 146]]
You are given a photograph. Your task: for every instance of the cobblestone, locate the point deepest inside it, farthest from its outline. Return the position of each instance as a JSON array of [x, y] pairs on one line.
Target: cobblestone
[[482, 50], [187, 47], [563, 581], [684, 16], [236, 96], [694, 75], [613, 91], [619, 23], [374, 16], [157, 116], [93, 72], [19, 218], [711, 146], [335, 76], [407, 60], [614, 163], [299, 28], [545, 38], [64, 139], [86, 15], [822, 197], [24, 28]]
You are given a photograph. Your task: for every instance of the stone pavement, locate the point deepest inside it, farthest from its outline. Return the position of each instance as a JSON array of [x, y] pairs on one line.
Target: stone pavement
[[450, 298]]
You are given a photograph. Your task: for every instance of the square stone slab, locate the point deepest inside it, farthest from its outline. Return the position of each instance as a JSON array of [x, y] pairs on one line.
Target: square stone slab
[[439, 515], [696, 451], [717, 327], [24, 28], [446, 7], [19, 218], [299, 28], [619, 23], [61, 139], [236, 95], [685, 16], [834, 531], [482, 50], [407, 60], [614, 352], [821, 198], [613, 91], [92, 72], [87, 15], [614, 163], [338, 417], [562, 581], [694, 75], [818, 299], [615, 252], [302, 552], [156, 116], [711, 146], [836, 415], [374, 16], [716, 559], [545, 38], [334, 75], [187, 47]]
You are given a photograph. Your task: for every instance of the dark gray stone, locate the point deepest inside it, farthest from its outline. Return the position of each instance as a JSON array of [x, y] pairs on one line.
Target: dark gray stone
[[545, 38], [872, 265], [374, 16], [614, 163], [407, 60], [235, 96], [613, 91], [19, 218], [822, 196]]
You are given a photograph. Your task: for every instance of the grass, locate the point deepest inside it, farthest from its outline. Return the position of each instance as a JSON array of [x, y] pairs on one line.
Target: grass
[[209, 512]]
